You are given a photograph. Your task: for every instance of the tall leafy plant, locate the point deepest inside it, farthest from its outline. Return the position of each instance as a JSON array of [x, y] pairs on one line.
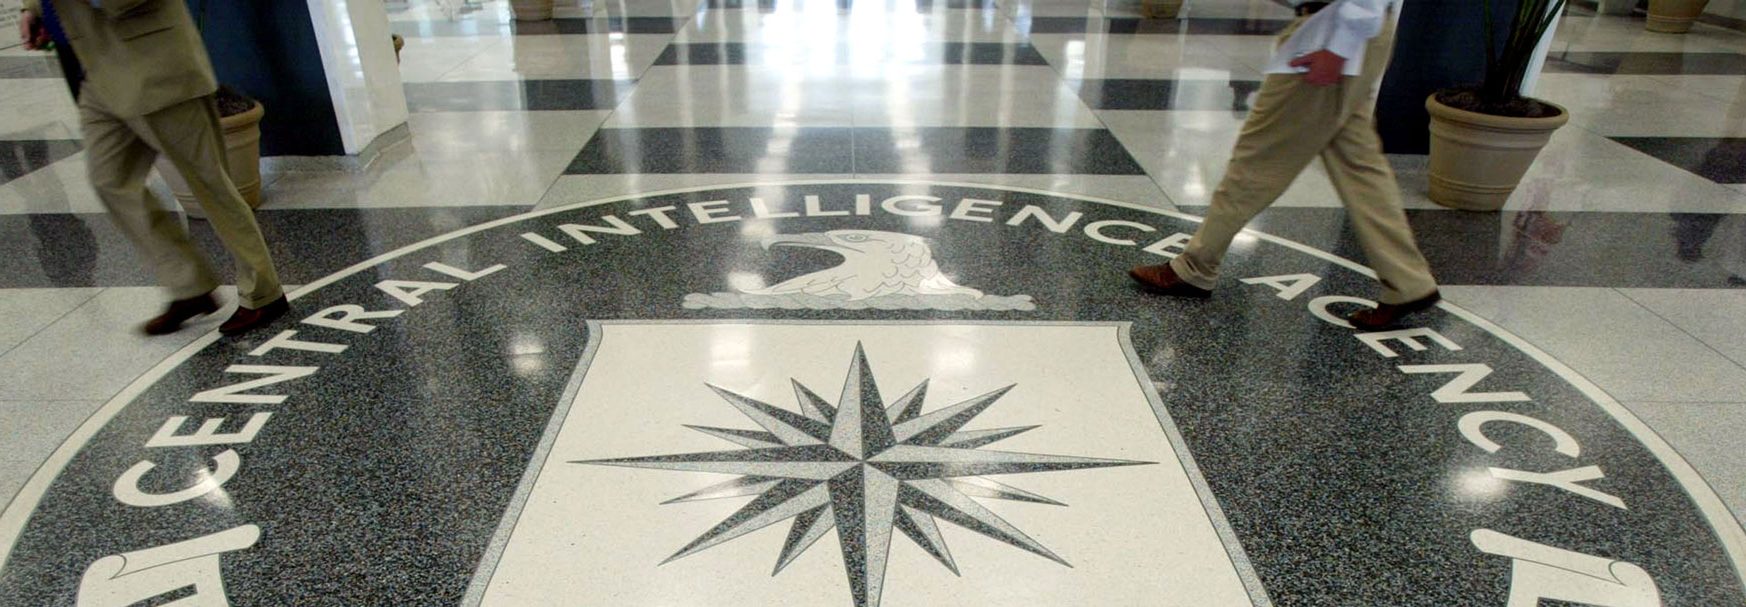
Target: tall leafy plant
[[1506, 66]]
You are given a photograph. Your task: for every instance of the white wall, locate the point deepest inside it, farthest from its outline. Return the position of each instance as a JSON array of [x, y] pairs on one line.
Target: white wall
[[362, 76]]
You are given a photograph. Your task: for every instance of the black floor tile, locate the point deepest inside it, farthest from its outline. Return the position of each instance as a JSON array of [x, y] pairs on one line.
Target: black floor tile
[[86, 250], [991, 53], [992, 150], [712, 53], [19, 158], [1648, 64], [1135, 25], [771, 6], [1545, 249], [1126, 94], [921, 6], [947, 53], [613, 25], [1577, 249], [855, 150], [607, 25], [530, 95], [716, 150], [1718, 159]]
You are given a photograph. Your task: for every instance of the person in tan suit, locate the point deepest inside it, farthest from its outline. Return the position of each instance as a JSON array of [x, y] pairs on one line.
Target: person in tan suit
[[148, 90], [1318, 100]]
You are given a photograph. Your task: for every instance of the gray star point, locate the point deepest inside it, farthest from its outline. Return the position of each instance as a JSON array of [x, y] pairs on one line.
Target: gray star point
[[868, 469]]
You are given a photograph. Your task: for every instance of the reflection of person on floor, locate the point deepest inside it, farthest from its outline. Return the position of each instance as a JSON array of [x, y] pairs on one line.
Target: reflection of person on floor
[[1318, 100], [65, 247], [148, 90], [1691, 231]]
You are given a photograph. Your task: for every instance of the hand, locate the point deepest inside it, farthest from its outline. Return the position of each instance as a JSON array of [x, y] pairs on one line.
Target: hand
[[31, 31], [1325, 68]]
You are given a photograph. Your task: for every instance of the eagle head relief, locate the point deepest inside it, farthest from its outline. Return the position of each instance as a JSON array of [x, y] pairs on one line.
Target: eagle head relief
[[874, 264]]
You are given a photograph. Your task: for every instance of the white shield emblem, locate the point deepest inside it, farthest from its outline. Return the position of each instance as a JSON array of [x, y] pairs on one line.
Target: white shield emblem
[[865, 465]]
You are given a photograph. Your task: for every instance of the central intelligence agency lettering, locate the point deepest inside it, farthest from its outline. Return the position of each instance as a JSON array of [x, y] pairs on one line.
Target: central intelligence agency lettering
[[262, 383]]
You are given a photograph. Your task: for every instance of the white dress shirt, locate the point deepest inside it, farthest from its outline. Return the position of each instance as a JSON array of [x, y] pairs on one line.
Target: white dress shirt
[[1343, 28]]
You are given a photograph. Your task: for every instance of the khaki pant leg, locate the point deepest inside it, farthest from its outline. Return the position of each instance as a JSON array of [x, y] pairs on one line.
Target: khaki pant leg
[[188, 134], [1366, 184], [118, 161], [1287, 128], [1367, 187]]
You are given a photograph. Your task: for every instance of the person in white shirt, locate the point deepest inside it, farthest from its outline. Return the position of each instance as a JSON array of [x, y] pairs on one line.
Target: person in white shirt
[[1318, 100]]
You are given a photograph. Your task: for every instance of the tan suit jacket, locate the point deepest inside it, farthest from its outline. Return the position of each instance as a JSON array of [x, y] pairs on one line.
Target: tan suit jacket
[[140, 56]]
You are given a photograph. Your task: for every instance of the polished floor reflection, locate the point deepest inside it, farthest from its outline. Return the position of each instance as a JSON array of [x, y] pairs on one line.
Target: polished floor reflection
[[752, 146]]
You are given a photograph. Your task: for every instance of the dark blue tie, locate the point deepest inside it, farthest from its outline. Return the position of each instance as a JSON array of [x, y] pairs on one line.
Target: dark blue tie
[[52, 21]]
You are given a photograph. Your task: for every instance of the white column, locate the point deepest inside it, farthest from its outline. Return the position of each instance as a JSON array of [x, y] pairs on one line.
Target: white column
[[357, 53], [1539, 62]]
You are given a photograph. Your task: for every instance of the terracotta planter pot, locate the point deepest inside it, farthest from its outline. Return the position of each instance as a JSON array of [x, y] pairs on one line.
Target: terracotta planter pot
[[531, 10], [1674, 16], [1161, 9], [242, 149], [1478, 159]]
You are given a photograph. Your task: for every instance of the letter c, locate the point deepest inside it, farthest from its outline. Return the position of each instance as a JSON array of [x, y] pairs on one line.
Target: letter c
[[128, 492]]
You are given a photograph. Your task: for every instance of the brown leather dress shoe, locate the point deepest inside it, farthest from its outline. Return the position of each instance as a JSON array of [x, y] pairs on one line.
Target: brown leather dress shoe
[[1386, 316], [246, 319], [1161, 279], [180, 311]]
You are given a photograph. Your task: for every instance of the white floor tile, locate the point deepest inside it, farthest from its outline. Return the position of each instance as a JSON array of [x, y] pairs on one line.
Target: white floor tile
[[62, 187], [968, 96], [414, 178], [94, 351], [37, 108], [1639, 106], [1623, 347], [591, 56], [459, 133], [1716, 317], [734, 95], [1731, 90], [28, 311], [1583, 171], [427, 59], [1186, 153], [1089, 56], [1612, 34]]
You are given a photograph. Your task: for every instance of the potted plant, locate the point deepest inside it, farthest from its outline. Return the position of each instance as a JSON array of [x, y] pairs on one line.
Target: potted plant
[[531, 10], [240, 119], [1674, 16], [1160, 9], [1484, 137]]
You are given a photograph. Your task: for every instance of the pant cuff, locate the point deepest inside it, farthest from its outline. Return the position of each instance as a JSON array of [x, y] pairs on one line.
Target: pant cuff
[[1190, 276]]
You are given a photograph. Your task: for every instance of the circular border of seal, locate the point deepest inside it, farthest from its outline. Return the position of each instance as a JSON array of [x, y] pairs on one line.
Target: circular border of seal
[[1721, 520]]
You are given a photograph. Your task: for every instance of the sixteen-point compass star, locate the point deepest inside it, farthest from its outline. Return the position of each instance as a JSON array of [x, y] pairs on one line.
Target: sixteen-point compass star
[[865, 469]]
